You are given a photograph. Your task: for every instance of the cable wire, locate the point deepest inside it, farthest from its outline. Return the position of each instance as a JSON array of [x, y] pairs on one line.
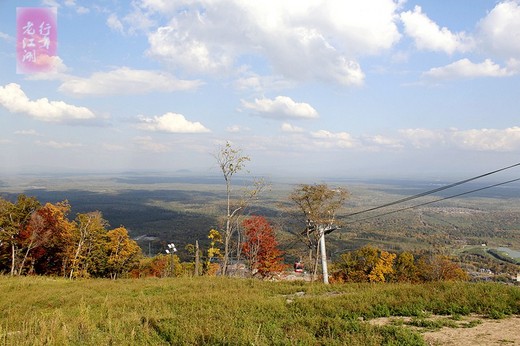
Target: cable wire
[[435, 201], [426, 193]]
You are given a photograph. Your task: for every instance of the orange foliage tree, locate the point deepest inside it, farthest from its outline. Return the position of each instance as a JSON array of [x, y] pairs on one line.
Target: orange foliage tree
[[440, 268], [44, 239], [260, 247]]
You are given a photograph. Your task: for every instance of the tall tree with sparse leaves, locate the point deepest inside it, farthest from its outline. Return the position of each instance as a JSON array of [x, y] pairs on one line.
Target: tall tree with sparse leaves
[[318, 204], [231, 161]]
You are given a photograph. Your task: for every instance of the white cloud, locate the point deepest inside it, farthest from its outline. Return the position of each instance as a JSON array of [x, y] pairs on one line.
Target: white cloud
[[473, 139], [428, 35], [67, 3], [126, 81], [253, 81], [499, 31], [327, 139], [380, 141], [286, 127], [114, 23], [6, 37], [57, 70], [236, 129], [138, 21], [281, 107], [488, 139], [179, 50], [14, 100], [147, 144], [79, 9], [171, 123], [464, 68], [4, 141], [422, 138], [513, 65], [59, 145], [301, 40], [30, 132], [51, 3]]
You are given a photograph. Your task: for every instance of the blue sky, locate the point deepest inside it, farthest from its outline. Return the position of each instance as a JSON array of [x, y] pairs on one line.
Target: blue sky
[[374, 88]]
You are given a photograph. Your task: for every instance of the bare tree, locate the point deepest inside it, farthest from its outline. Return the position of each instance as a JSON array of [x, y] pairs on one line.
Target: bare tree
[[319, 204], [231, 161]]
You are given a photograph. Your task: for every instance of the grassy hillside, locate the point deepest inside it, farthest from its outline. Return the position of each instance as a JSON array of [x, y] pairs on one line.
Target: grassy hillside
[[224, 311]]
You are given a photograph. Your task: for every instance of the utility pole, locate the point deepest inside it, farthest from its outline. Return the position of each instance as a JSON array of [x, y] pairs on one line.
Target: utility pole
[[197, 260], [324, 267], [319, 204]]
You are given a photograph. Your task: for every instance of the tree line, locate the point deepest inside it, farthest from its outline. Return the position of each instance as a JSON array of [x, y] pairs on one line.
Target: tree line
[[38, 239], [41, 239], [370, 264]]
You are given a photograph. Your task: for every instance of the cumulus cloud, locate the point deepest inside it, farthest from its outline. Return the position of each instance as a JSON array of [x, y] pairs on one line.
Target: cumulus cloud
[[422, 138], [171, 123], [58, 145], [473, 139], [380, 141], [68, 4], [281, 107], [114, 23], [236, 129], [57, 70], [6, 37], [464, 68], [301, 41], [126, 81], [499, 31], [488, 139], [253, 81], [78, 8], [427, 34], [30, 132], [15, 100], [327, 139], [286, 127]]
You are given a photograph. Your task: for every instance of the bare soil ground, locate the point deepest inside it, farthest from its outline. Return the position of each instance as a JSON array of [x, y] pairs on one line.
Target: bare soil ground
[[468, 330]]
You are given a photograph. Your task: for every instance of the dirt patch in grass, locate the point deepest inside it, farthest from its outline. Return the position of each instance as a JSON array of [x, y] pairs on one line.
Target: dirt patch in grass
[[489, 332], [466, 330]]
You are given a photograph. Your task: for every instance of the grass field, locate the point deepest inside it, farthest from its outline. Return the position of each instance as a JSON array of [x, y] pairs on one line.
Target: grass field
[[224, 311]]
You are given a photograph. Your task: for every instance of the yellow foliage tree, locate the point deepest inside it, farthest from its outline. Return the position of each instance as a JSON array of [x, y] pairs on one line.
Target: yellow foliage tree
[[405, 268], [367, 264], [123, 252], [383, 268], [213, 252]]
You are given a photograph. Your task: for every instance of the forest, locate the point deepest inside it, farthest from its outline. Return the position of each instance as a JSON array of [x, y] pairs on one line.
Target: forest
[[40, 239], [108, 226]]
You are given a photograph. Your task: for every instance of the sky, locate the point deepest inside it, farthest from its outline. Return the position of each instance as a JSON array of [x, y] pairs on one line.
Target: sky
[[344, 88]]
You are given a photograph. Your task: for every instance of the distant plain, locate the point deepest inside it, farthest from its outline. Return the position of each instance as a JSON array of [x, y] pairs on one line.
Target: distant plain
[[183, 208]]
